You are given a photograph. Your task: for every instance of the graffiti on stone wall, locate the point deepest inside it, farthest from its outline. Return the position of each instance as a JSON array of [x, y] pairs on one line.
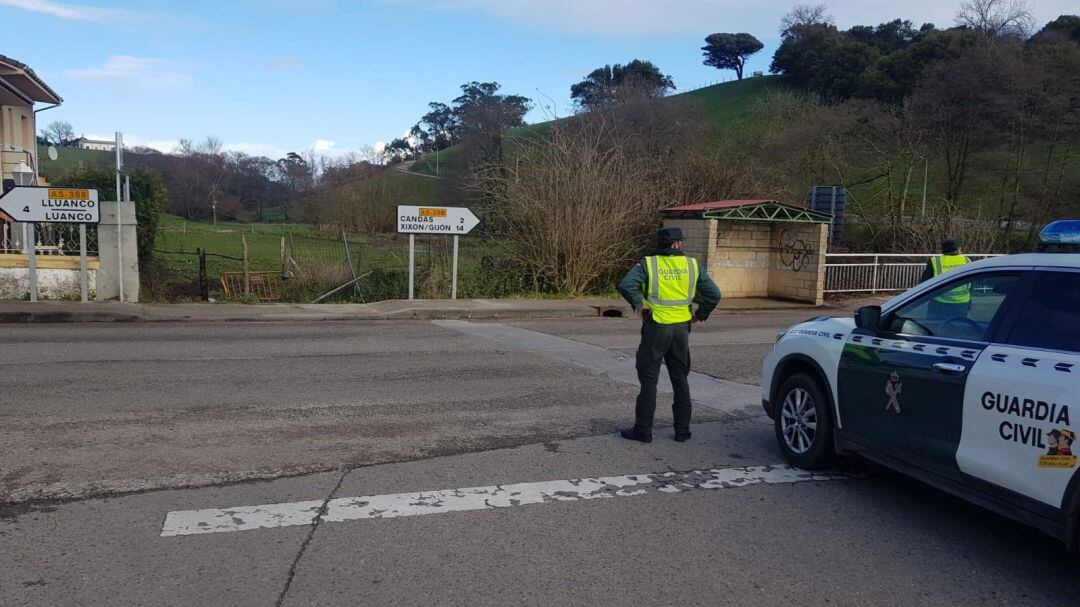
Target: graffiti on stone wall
[[795, 253]]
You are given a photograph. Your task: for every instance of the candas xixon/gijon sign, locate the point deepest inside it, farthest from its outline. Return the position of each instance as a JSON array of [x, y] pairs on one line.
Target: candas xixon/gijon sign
[[436, 220], [55, 205]]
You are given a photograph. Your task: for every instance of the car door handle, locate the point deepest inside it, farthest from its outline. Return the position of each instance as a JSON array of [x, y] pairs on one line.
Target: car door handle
[[950, 368]]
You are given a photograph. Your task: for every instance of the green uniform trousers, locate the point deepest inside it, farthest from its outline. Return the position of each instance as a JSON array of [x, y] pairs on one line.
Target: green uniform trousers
[[670, 344]]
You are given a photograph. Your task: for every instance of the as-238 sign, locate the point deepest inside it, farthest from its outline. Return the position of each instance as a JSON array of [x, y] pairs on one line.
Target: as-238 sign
[[56, 205], [451, 221]]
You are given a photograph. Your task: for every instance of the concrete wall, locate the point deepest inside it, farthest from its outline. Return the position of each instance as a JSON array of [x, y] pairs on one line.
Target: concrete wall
[[52, 283], [797, 270], [739, 262], [117, 243], [759, 259]]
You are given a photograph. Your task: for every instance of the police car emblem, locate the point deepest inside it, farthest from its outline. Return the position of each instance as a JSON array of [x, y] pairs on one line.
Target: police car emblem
[[1059, 449], [892, 390]]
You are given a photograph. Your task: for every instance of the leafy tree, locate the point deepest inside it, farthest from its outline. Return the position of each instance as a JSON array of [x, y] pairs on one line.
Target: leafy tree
[[730, 51], [482, 115], [400, 149], [890, 37], [614, 83], [438, 129], [477, 117], [59, 133], [824, 60], [1065, 28], [147, 191]]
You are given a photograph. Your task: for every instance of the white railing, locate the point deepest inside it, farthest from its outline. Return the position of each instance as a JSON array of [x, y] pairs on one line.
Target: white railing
[[872, 272], [50, 239]]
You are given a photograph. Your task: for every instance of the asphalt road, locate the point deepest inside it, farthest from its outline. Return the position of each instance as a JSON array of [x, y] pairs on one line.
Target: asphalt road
[[109, 431]]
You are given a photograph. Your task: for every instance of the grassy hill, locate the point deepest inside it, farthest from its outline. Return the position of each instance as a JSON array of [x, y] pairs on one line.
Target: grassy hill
[[72, 158], [726, 105]]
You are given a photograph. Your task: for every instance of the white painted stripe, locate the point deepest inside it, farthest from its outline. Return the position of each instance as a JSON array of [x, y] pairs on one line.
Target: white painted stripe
[[243, 518]]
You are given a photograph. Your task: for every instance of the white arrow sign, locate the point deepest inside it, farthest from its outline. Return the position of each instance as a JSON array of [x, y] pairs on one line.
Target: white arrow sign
[[452, 221], [57, 205]]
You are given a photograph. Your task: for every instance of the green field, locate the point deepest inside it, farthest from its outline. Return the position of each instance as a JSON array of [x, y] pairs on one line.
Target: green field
[[72, 158], [385, 255], [727, 105]]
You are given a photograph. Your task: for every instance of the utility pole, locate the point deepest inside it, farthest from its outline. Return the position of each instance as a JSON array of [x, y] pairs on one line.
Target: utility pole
[[925, 175]]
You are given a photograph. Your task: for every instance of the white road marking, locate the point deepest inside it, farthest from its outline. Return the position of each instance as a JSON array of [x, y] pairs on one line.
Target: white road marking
[[707, 391], [244, 518]]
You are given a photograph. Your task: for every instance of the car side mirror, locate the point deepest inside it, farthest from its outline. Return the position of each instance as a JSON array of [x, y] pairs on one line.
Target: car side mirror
[[868, 317]]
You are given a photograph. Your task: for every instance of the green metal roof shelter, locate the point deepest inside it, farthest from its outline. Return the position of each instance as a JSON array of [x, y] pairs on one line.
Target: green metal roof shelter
[[748, 210]]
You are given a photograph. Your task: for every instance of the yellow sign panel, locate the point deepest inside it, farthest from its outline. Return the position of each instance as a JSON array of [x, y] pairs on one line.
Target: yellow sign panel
[[1057, 461], [67, 194], [429, 212]]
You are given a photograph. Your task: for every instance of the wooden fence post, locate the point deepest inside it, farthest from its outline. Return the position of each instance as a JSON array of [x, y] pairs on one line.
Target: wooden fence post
[[247, 275], [204, 285]]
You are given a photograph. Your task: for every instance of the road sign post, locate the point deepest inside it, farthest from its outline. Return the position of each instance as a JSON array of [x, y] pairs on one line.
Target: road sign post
[[30, 241], [82, 263], [412, 263], [453, 281], [31, 205], [449, 221]]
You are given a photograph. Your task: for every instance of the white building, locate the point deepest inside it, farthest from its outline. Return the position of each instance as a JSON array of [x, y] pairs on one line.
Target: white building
[[103, 145], [20, 89]]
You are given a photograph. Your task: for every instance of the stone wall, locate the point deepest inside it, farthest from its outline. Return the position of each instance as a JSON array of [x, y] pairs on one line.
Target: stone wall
[[797, 270], [759, 259], [739, 262], [57, 277]]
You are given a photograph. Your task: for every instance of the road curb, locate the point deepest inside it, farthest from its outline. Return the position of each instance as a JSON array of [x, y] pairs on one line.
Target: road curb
[[395, 310]]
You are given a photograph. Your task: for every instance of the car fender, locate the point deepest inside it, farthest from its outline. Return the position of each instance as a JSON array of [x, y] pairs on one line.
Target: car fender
[[818, 343]]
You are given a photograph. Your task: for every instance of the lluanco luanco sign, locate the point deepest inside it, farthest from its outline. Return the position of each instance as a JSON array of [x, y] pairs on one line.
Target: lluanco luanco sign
[[54, 205]]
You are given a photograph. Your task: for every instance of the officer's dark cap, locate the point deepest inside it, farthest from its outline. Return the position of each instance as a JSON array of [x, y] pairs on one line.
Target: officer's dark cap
[[669, 234], [950, 245]]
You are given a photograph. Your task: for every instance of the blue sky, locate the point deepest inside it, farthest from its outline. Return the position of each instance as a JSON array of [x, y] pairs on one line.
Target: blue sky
[[271, 76]]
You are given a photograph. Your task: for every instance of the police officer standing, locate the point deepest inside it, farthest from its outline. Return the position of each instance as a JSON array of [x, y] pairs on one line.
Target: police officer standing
[[954, 302], [669, 282]]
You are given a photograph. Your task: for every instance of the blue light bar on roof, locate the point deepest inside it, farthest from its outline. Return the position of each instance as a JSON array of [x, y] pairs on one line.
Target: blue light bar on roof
[[1065, 231]]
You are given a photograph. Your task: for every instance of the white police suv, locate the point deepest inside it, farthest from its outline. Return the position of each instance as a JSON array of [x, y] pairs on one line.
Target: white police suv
[[969, 382]]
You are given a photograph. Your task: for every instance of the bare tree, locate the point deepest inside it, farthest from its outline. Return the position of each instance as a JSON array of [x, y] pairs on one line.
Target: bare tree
[[803, 15], [211, 145], [59, 133], [995, 18]]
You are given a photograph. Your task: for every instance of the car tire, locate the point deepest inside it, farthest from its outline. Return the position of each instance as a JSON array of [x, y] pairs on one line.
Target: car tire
[[803, 423]]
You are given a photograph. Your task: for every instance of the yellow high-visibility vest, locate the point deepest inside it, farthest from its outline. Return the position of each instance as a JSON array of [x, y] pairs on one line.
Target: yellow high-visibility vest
[[671, 287], [944, 263]]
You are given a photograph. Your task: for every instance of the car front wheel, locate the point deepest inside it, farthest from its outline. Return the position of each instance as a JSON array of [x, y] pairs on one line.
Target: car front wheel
[[803, 423]]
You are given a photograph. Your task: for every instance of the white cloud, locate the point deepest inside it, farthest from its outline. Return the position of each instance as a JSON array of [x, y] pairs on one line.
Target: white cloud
[[255, 149], [74, 12], [134, 73], [323, 148], [667, 17]]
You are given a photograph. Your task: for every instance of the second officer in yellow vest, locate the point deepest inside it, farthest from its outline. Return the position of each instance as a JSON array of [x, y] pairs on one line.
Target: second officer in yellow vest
[[668, 282], [954, 302]]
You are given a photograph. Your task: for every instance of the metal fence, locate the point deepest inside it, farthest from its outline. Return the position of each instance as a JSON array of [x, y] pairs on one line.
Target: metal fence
[[50, 239], [870, 273]]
